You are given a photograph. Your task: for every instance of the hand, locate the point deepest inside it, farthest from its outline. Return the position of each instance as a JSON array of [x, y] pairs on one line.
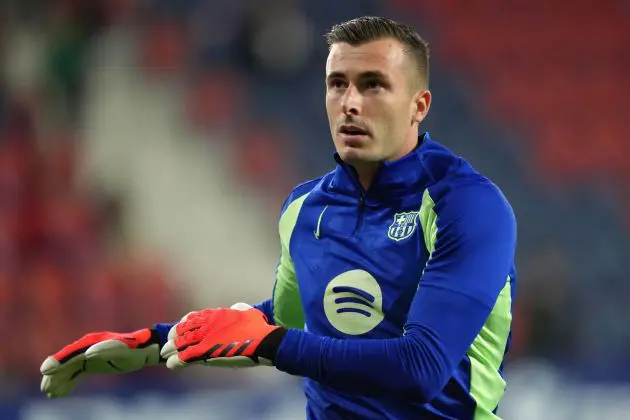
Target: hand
[[223, 362], [98, 353], [235, 337]]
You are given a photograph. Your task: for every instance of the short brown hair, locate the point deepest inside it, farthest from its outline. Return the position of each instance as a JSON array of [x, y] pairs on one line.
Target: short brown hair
[[371, 28]]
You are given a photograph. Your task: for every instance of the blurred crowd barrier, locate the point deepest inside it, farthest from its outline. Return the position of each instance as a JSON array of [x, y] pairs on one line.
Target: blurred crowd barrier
[[146, 148], [536, 391]]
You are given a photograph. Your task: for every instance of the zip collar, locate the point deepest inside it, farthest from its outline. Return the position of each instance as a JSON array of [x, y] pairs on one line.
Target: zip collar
[[393, 180]]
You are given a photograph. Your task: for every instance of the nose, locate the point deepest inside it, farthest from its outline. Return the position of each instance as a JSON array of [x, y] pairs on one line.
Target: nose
[[351, 101]]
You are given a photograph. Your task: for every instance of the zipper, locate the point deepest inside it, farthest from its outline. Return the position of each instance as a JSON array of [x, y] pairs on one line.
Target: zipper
[[362, 193], [361, 214]]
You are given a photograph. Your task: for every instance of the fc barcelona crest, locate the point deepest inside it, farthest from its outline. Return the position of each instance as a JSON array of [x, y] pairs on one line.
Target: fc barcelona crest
[[404, 225]]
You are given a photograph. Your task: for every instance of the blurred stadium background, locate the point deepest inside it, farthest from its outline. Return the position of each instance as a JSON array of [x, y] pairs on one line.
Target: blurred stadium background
[[146, 147]]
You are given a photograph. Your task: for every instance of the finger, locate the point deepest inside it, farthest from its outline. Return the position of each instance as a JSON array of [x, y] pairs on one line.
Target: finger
[[191, 325], [189, 315], [135, 340], [173, 348], [195, 320], [200, 352], [63, 390], [187, 339], [174, 362], [79, 346], [204, 313], [107, 349], [63, 381], [169, 349], [50, 384], [172, 333], [45, 384], [50, 365], [178, 344]]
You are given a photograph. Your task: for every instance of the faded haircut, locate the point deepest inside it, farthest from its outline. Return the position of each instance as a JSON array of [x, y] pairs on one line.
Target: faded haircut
[[372, 28]]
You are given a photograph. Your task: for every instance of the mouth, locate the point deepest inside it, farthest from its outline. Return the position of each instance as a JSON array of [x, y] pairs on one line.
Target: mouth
[[352, 131]]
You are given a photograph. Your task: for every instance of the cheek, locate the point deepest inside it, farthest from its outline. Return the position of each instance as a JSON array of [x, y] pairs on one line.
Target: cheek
[[330, 105], [331, 109], [394, 123], [393, 118], [332, 100]]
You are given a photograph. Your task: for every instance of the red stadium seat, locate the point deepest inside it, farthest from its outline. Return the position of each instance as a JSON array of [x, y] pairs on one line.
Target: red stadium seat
[[164, 48], [213, 100], [555, 67], [52, 254]]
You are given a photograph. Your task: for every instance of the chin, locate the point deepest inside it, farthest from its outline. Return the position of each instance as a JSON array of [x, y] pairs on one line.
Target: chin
[[354, 155], [349, 154]]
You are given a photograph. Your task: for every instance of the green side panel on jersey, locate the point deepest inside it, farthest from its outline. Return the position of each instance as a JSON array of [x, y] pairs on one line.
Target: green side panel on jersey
[[486, 355], [428, 221], [486, 352], [287, 304]]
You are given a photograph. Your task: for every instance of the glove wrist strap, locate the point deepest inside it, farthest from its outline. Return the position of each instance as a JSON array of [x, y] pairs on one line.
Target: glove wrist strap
[[268, 347]]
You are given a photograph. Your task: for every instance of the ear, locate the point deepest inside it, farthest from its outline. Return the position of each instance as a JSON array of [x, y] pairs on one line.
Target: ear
[[422, 103]]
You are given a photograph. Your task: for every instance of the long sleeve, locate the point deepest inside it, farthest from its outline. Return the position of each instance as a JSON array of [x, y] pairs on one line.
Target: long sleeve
[[162, 330], [465, 277], [266, 307]]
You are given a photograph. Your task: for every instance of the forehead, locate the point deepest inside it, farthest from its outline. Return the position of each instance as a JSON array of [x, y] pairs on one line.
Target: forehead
[[385, 55]]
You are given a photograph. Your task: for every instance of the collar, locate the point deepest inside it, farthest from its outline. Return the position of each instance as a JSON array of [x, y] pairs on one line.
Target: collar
[[393, 180]]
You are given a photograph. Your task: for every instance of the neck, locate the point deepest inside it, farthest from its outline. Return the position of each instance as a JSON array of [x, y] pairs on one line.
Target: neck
[[366, 171]]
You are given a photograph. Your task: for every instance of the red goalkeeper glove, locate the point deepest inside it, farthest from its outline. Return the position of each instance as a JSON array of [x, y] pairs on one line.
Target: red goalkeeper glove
[[225, 337], [98, 353]]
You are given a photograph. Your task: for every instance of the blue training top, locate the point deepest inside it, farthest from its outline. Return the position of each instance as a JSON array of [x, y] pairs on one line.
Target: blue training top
[[397, 299]]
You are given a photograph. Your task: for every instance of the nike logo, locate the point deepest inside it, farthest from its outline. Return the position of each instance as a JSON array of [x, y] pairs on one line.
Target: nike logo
[[319, 222]]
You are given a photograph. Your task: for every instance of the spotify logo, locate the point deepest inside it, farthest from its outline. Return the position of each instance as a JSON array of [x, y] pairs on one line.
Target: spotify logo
[[353, 302]]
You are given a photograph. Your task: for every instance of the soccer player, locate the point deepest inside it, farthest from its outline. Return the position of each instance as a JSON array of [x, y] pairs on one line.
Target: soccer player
[[396, 278]]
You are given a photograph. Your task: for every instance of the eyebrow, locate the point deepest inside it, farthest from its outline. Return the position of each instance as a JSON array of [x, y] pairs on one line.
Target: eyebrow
[[370, 74]]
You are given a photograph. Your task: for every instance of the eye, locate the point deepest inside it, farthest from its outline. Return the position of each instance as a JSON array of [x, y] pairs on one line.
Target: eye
[[373, 84], [337, 84]]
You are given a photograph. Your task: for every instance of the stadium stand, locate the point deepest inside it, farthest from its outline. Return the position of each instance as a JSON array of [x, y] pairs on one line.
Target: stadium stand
[[532, 93]]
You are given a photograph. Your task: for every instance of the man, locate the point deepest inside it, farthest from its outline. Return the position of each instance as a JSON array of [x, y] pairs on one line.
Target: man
[[396, 278]]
